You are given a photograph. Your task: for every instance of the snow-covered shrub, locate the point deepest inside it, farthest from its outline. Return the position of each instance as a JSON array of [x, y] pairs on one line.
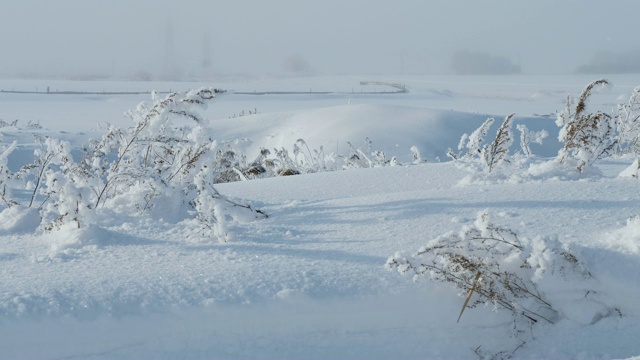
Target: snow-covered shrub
[[60, 188], [231, 165], [528, 137], [160, 152], [228, 165], [304, 160], [167, 140], [244, 113], [473, 143], [628, 124], [55, 193], [259, 167], [211, 208], [483, 257], [497, 152], [285, 165], [481, 156], [364, 157], [65, 188], [587, 136], [281, 163], [416, 156], [628, 128], [3, 123], [33, 125], [166, 165], [357, 157], [312, 161], [32, 174], [6, 175], [167, 157], [493, 266]]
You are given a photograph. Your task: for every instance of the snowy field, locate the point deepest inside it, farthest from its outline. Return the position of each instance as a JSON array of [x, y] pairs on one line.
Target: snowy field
[[315, 279]]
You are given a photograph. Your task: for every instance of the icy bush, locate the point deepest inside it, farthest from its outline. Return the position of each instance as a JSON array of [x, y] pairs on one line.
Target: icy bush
[[165, 165], [498, 150], [528, 137], [211, 208], [6, 175], [168, 154], [587, 136], [473, 143], [417, 157], [232, 165], [312, 160], [165, 145], [67, 194], [364, 157], [493, 266], [300, 160], [628, 124], [481, 157]]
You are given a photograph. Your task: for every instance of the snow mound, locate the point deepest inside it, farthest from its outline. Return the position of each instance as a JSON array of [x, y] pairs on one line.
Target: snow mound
[[392, 129], [18, 219]]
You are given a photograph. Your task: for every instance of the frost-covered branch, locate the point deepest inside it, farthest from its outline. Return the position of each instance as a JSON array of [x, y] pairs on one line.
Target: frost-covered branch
[[528, 137], [628, 124], [587, 136], [498, 150]]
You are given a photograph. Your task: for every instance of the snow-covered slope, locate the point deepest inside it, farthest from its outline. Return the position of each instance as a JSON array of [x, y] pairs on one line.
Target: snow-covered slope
[[392, 129]]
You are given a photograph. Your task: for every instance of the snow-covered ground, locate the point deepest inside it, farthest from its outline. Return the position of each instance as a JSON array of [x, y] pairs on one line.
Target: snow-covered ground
[[310, 281]]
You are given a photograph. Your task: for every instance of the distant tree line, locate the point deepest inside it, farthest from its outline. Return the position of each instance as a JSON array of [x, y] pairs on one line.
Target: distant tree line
[[607, 62], [482, 63]]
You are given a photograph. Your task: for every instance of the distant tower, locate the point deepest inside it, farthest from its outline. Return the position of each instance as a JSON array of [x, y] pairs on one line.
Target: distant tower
[[169, 65], [206, 53]]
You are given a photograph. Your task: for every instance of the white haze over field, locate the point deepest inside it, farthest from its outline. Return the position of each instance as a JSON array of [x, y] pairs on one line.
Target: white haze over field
[[138, 280], [199, 39]]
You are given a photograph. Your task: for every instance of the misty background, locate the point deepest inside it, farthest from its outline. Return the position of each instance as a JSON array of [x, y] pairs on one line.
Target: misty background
[[203, 39]]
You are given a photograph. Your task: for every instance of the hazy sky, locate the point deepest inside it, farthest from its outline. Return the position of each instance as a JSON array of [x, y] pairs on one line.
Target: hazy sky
[[122, 37]]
